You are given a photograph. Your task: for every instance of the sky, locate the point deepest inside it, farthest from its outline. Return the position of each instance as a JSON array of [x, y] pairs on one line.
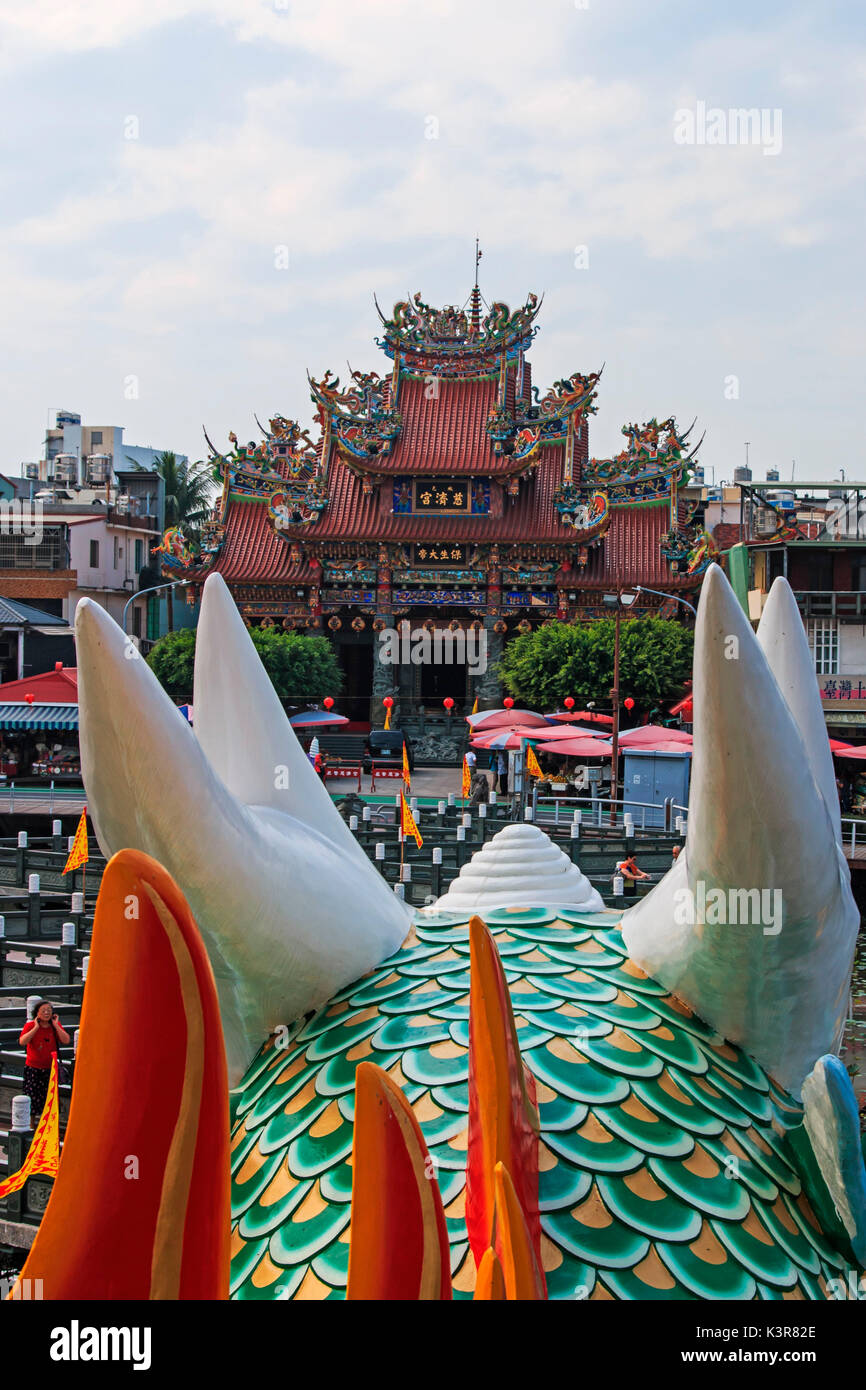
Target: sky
[[199, 198]]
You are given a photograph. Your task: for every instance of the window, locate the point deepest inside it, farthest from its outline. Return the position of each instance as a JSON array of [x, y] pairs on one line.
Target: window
[[117, 552], [95, 437], [94, 555], [136, 620], [139, 555], [823, 634]]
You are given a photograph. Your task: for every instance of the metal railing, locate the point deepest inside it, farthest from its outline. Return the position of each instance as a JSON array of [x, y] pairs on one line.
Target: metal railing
[[644, 815]]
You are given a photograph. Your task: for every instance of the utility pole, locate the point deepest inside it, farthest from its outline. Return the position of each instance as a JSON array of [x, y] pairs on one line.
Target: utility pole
[[614, 695]]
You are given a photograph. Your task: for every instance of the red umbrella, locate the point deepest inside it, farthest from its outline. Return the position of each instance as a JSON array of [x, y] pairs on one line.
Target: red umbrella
[[504, 719], [648, 735], [577, 747], [557, 732], [584, 716]]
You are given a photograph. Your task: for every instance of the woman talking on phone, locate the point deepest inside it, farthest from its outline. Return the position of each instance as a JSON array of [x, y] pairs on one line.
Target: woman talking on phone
[[43, 1034]]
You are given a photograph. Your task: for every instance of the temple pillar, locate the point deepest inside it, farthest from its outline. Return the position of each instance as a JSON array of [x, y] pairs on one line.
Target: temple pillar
[[489, 687]]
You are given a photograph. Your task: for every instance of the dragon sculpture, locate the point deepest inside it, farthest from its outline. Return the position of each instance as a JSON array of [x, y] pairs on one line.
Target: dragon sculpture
[[520, 1094]]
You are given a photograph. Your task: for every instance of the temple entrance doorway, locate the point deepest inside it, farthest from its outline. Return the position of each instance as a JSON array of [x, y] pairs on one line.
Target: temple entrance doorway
[[356, 659]]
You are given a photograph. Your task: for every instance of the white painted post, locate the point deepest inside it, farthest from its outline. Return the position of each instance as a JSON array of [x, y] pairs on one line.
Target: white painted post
[[67, 934], [353, 822], [21, 1113], [22, 839], [437, 854]]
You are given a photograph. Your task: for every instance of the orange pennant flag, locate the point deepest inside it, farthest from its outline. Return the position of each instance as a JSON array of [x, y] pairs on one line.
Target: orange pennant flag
[[43, 1156], [407, 821], [80, 853], [467, 779], [387, 719], [407, 776], [532, 765], [475, 706]]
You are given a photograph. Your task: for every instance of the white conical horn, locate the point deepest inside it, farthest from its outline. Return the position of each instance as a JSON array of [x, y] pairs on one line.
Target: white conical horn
[[755, 925], [785, 645], [287, 914]]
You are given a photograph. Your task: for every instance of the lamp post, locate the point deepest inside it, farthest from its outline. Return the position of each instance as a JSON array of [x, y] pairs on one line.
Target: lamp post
[[642, 589], [175, 584], [619, 601]]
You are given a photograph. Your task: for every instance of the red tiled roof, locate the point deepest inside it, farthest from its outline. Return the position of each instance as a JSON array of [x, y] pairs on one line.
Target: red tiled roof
[[445, 433], [253, 550], [630, 553]]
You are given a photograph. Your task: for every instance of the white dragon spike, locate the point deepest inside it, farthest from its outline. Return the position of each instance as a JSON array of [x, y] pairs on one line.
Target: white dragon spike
[[290, 912], [785, 645], [755, 925]]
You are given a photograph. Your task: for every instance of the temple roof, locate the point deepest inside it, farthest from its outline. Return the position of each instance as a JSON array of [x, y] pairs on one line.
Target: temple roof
[[253, 552]]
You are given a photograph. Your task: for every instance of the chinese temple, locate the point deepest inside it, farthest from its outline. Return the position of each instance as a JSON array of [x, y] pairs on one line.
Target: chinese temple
[[448, 491]]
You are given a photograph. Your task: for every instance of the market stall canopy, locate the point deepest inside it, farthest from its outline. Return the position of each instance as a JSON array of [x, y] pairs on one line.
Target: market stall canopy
[[502, 718], [838, 746], [317, 719], [859, 753], [583, 716], [650, 735], [555, 732], [579, 748], [38, 716]]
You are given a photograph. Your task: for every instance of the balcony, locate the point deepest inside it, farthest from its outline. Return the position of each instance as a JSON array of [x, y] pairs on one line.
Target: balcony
[[827, 603]]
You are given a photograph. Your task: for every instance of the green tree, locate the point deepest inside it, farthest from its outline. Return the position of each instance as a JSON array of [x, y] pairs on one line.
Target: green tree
[[542, 667], [301, 668]]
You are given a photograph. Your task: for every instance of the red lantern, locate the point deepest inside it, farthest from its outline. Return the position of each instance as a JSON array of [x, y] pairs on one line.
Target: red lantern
[[30, 699], [569, 702], [388, 702], [448, 703], [508, 702], [328, 702], [628, 702]]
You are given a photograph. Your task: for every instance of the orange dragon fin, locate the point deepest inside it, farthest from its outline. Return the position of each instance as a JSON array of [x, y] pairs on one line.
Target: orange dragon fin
[[140, 1206], [399, 1241], [503, 1118], [520, 1265]]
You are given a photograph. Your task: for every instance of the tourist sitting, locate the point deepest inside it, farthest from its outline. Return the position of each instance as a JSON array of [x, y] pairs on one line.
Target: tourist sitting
[[41, 1035]]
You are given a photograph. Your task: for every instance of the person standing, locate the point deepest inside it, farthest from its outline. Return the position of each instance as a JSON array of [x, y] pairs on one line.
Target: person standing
[[502, 772], [42, 1035]]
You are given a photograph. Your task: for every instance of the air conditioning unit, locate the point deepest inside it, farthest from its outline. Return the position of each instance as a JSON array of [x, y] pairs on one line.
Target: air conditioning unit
[[31, 470], [122, 503]]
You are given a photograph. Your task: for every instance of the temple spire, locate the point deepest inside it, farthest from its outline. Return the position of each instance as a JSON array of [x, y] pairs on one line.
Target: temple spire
[[475, 298]]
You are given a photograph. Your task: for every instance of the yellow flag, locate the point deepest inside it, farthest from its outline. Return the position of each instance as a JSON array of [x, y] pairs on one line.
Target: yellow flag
[[467, 779], [475, 706], [79, 854], [387, 718], [407, 776], [407, 821], [532, 766], [43, 1156]]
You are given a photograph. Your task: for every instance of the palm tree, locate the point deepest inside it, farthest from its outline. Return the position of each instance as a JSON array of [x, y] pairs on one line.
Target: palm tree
[[188, 491]]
